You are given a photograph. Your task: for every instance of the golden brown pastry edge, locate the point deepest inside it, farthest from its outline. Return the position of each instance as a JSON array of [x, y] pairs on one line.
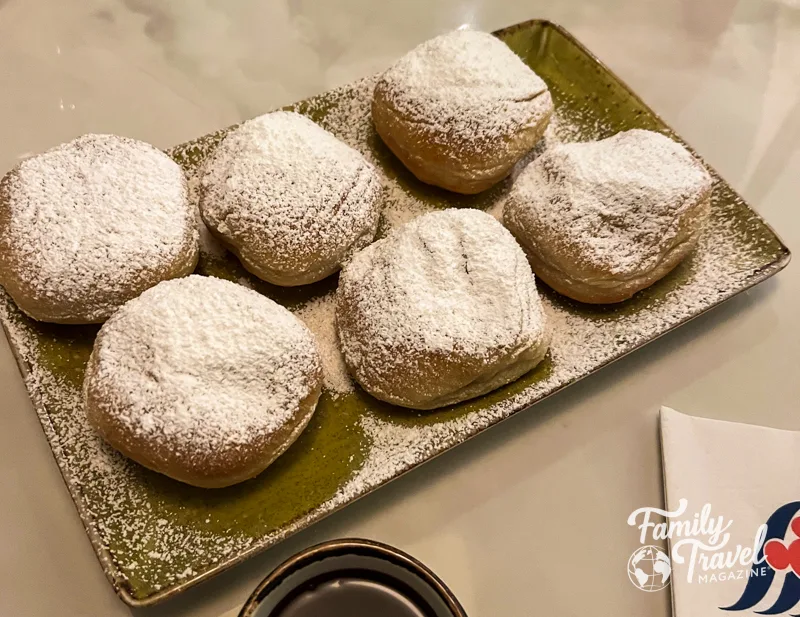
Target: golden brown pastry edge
[[227, 469], [427, 154], [598, 287], [69, 311]]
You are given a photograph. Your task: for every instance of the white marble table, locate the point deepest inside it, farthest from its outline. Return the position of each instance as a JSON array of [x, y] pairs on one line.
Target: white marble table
[[529, 518]]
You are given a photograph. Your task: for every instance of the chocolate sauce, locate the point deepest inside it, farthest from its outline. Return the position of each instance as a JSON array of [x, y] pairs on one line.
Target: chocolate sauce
[[351, 596]]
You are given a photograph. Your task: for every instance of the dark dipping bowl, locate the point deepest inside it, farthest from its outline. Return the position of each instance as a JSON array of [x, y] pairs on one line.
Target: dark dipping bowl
[[352, 577]]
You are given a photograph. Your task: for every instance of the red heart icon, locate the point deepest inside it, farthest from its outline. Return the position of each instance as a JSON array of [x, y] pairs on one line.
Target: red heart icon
[[777, 555], [796, 526], [794, 556]]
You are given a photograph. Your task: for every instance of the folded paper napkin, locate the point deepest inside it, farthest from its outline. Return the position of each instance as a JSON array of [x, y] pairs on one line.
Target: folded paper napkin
[[731, 517]]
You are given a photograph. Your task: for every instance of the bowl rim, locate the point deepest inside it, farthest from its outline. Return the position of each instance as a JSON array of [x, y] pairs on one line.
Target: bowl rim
[[350, 546]]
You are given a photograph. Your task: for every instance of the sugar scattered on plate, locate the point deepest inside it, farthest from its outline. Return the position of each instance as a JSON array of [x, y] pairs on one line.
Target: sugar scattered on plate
[[319, 315]]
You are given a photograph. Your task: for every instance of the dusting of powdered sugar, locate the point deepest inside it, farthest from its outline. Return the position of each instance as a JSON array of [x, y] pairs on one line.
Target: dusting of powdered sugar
[[610, 204], [292, 199], [118, 504], [319, 315], [200, 366], [350, 120], [452, 283], [89, 224], [465, 86]]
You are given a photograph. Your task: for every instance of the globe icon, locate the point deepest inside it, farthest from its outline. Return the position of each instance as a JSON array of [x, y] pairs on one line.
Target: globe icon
[[649, 568]]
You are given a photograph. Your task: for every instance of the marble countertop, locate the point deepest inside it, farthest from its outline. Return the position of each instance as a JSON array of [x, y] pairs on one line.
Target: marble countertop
[[532, 513]]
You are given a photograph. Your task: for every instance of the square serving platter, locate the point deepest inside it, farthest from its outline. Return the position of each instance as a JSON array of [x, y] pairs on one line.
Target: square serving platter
[[156, 537]]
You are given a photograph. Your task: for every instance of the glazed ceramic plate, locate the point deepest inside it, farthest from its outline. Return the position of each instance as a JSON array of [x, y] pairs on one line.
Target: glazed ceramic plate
[[156, 537]]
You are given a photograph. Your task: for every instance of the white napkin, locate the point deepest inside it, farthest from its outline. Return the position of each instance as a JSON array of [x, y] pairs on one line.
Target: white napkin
[[734, 487]]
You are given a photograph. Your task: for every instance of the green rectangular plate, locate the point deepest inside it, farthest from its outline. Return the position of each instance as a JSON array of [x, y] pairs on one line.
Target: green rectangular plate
[[155, 537]]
